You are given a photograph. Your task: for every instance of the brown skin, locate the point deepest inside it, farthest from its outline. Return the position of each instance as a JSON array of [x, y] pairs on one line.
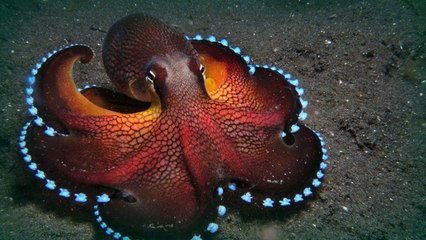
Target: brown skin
[[130, 45]]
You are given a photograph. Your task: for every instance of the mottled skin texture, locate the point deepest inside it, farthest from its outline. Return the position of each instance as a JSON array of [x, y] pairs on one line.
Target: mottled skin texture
[[162, 161]]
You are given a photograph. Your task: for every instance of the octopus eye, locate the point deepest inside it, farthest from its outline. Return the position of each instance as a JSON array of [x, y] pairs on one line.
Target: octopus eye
[[202, 69], [150, 76]]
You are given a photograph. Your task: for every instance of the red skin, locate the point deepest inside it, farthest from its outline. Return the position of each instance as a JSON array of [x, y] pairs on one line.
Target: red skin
[[171, 156]]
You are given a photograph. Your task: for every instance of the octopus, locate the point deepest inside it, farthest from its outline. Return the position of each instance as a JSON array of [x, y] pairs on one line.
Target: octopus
[[189, 121]]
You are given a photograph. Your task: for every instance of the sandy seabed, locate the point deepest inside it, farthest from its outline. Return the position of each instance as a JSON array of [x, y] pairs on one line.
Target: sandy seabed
[[361, 63]]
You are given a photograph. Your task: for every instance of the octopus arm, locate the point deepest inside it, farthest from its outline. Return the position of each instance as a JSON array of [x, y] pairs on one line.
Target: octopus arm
[[93, 132], [230, 80], [280, 166]]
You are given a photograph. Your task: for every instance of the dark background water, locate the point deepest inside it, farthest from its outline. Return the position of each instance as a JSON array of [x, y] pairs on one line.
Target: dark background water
[[362, 64]]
